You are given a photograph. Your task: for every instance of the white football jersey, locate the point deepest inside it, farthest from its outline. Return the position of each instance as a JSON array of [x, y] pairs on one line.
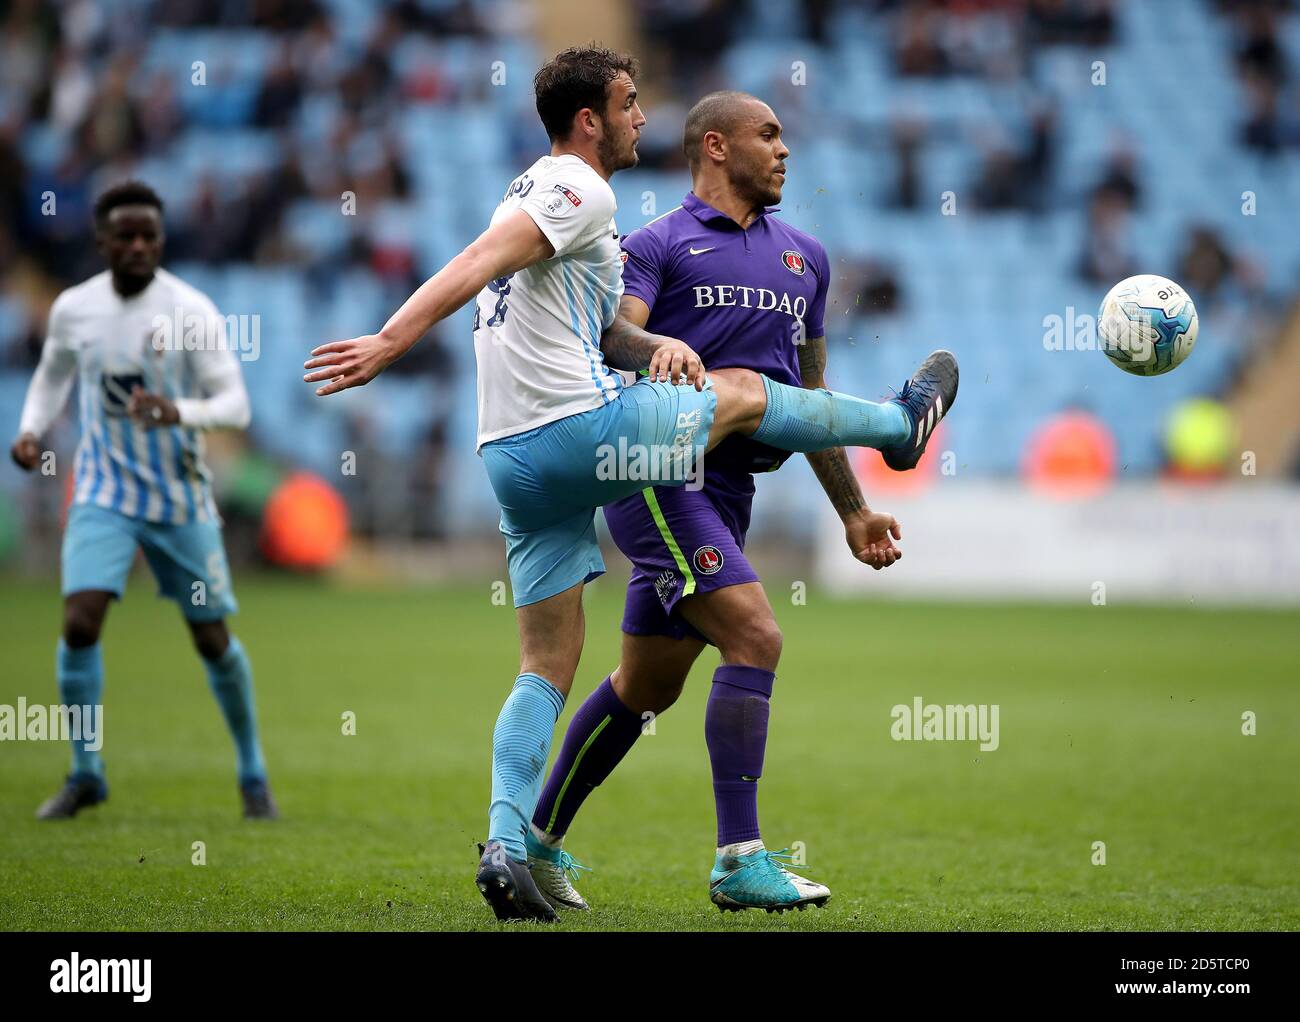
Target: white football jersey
[[537, 332], [169, 339]]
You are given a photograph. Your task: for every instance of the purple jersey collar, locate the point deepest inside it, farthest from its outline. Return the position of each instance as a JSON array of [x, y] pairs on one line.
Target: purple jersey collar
[[707, 215]]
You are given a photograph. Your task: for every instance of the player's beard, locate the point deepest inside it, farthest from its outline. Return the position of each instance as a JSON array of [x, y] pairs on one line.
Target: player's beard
[[611, 158], [753, 185]]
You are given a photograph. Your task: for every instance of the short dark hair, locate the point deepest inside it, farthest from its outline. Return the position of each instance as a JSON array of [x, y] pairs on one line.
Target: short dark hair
[[718, 111], [574, 79], [128, 193]]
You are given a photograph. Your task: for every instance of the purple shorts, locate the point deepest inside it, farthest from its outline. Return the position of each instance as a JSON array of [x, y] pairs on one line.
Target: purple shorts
[[681, 541]]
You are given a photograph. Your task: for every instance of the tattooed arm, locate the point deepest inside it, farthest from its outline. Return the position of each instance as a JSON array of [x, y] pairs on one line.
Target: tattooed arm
[[831, 465], [867, 532], [626, 345]]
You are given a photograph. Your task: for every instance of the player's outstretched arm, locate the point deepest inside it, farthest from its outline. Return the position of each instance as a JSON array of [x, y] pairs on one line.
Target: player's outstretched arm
[[870, 534], [46, 396], [504, 248], [626, 345]]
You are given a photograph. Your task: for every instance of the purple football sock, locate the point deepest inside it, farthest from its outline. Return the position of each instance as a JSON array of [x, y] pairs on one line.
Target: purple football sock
[[599, 736], [735, 728]]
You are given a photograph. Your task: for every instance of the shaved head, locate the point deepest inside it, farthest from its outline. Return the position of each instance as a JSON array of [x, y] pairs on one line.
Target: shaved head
[[733, 144], [722, 112]]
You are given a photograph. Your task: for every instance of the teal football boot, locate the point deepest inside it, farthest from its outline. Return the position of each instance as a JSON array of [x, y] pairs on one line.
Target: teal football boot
[[759, 879]]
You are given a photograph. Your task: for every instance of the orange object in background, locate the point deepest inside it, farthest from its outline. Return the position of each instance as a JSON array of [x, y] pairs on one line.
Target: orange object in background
[[1071, 455], [304, 524], [877, 477]]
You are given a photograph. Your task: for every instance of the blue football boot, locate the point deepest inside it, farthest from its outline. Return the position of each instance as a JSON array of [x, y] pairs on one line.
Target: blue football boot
[[509, 888], [926, 398]]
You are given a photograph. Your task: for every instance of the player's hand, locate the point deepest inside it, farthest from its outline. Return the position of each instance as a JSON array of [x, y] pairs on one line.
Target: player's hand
[[871, 535], [26, 451], [152, 410], [673, 358], [347, 364]]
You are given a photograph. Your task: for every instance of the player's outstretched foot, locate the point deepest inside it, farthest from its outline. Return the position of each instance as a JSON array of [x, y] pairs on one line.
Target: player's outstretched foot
[[926, 398], [78, 792], [552, 869], [259, 803], [757, 879], [509, 888]]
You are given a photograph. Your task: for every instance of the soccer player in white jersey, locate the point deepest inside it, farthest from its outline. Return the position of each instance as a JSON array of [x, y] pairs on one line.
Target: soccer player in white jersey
[[154, 370], [554, 416]]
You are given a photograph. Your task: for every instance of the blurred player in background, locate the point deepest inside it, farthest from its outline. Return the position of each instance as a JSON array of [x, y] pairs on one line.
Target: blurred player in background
[[146, 393], [547, 276], [744, 289]]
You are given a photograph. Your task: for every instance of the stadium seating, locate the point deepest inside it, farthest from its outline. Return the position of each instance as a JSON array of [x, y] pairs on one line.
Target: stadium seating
[[978, 282]]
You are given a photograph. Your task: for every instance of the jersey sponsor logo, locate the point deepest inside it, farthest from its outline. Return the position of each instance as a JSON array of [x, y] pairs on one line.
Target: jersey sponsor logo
[[622, 255], [793, 262], [501, 288], [116, 390], [700, 251], [562, 194], [707, 560], [666, 585], [724, 295]]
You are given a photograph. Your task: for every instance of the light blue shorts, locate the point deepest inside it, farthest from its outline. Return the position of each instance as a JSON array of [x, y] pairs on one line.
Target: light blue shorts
[[188, 561], [550, 480]]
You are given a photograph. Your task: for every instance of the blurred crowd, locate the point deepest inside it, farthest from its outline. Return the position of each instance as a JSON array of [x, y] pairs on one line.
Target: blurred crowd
[[82, 106], [313, 111], [78, 72]]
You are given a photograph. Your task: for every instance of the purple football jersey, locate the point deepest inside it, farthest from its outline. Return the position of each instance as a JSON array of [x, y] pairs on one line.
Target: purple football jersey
[[740, 298]]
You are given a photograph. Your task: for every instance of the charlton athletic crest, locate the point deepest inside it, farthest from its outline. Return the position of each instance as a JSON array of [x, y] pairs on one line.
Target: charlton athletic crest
[[793, 262], [708, 560]]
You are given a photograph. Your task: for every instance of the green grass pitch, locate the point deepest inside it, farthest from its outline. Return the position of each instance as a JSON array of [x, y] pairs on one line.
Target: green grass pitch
[[1118, 724]]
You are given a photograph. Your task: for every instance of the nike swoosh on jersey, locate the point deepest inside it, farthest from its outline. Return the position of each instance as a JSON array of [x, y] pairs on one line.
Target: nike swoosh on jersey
[[700, 251]]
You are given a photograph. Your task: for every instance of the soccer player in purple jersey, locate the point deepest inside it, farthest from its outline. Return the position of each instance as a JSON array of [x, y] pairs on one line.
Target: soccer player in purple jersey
[[744, 289]]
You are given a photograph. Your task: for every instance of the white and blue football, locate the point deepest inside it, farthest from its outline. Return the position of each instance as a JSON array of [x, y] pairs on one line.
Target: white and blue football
[[1147, 325]]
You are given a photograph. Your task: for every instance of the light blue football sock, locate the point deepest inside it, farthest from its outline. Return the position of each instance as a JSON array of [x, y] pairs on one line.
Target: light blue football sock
[[81, 683], [804, 420], [521, 744], [231, 678]]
